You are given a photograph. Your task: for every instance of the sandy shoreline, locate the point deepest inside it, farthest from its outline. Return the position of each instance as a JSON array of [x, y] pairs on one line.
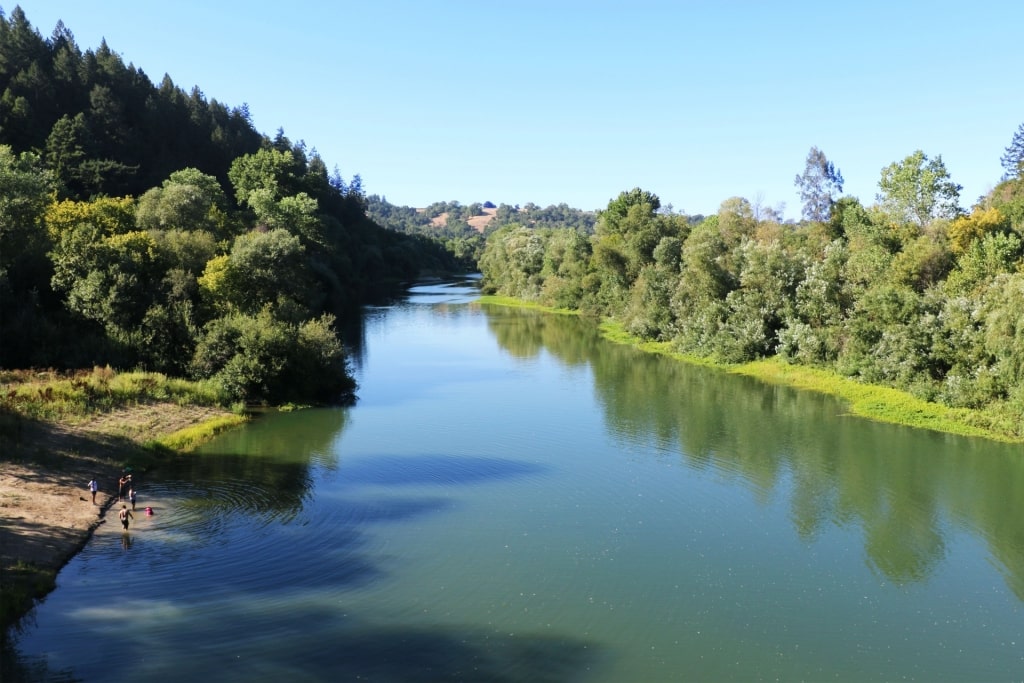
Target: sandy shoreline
[[46, 511]]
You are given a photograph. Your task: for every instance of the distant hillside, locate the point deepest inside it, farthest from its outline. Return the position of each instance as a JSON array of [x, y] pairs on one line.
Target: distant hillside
[[452, 219], [478, 223]]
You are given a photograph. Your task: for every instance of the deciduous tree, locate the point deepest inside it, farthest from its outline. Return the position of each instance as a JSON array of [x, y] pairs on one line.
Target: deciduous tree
[[918, 189]]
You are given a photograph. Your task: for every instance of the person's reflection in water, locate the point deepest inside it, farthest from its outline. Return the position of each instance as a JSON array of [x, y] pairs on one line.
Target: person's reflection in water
[[126, 542]]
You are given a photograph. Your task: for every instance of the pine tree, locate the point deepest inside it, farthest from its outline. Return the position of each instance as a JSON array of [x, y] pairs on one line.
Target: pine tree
[[1013, 159]]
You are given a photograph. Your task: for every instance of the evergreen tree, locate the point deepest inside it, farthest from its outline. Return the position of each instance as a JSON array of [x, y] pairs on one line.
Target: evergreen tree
[[1013, 158]]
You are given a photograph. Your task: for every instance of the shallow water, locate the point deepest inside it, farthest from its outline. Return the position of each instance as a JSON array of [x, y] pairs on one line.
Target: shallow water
[[514, 499]]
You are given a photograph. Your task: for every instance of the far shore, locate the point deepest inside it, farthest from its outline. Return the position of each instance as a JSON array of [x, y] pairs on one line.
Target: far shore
[[873, 402]]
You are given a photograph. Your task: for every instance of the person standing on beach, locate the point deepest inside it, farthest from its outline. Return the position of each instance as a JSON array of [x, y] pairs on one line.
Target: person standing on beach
[[124, 515], [131, 498], [93, 488]]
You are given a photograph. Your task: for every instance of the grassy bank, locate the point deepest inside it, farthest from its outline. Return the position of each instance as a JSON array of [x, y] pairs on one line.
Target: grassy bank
[[76, 396], [879, 403], [869, 401], [519, 303]]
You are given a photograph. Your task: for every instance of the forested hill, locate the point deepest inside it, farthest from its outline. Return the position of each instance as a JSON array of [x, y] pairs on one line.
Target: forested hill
[[912, 292], [463, 228], [142, 226]]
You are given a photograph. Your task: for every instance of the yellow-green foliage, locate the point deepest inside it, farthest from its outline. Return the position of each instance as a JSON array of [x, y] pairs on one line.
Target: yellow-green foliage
[[981, 222], [519, 303], [113, 215], [215, 272], [878, 403], [613, 331], [136, 246], [49, 395], [187, 439]]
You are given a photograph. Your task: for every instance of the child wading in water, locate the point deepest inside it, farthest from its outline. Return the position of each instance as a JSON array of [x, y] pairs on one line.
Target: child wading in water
[[124, 515]]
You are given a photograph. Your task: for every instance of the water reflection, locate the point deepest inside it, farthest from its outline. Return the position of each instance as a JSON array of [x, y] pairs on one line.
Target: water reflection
[[905, 489], [442, 295]]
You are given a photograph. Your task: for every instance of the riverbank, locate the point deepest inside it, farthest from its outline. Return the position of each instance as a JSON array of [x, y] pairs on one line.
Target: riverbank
[[873, 402], [46, 509]]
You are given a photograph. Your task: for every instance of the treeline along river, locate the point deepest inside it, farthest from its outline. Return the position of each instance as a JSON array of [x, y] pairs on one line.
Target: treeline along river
[[515, 499]]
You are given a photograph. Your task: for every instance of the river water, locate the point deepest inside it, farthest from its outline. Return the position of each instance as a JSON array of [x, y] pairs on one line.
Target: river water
[[513, 499]]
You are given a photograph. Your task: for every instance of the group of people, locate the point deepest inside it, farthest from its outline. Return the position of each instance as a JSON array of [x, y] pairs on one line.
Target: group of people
[[125, 491]]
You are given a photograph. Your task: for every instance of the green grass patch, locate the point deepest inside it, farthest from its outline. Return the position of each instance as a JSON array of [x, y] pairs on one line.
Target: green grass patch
[[879, 403], [521, 303], [70, 396], [613, 331], [187, 439], [883, 404]]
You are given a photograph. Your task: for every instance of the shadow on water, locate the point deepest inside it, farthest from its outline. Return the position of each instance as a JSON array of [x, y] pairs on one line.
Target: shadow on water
[[436, 469], [904, 488], [324, 651], [221, 539], [409, 656], [327, 643]]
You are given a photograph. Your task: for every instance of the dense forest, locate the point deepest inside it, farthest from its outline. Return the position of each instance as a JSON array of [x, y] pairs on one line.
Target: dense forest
[[142, 226], [911, 292]]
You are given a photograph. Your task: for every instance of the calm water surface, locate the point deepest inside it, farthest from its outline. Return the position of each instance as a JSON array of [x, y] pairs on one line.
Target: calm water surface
[[513, 499]]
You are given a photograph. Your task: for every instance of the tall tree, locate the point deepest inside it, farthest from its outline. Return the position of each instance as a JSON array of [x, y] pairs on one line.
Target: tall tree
[[1013, 159], [819, 185], [918, 189]]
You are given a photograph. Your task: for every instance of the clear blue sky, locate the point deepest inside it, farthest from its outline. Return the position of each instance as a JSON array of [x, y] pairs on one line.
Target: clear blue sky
[[575, 101]]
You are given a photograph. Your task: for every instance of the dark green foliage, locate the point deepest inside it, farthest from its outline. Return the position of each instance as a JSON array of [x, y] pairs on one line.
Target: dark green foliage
[[186, 279], [103, 126], [261, 358], [888, 338]]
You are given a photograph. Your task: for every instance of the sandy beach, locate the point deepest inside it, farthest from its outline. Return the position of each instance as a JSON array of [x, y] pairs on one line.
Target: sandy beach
[[46, 509]]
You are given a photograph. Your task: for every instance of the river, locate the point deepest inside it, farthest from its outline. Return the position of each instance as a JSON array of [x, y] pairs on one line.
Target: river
[[514, 499]]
